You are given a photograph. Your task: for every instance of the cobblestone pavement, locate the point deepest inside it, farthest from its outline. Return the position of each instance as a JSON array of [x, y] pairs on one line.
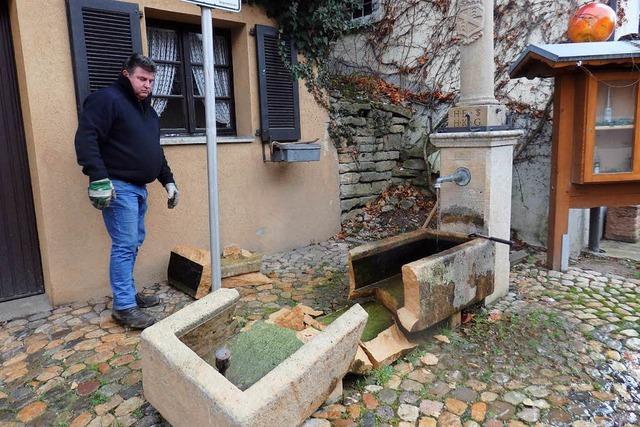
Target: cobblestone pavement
[[560, 349]]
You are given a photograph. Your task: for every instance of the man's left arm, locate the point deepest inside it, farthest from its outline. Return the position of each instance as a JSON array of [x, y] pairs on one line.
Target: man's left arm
[[166, 179]]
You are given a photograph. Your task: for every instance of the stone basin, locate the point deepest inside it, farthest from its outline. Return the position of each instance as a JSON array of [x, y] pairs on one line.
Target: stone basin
[[423, 276], [188, 391]]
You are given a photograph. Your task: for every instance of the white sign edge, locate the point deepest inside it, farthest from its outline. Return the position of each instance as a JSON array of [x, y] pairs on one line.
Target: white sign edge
[[204, 3]]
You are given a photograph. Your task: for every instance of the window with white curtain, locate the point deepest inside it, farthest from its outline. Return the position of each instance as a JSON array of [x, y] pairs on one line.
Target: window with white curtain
[[178, 93]]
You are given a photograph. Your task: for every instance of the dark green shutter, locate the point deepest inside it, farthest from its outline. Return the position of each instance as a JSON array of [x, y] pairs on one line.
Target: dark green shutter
[[103, 34], [279, 103]]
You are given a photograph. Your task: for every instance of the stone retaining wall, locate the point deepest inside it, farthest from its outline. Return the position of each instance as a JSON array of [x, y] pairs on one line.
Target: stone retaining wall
[[623, 224], [378, 145]]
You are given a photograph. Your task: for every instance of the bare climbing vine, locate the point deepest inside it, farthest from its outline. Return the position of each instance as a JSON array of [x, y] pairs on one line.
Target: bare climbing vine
[[414, 47]]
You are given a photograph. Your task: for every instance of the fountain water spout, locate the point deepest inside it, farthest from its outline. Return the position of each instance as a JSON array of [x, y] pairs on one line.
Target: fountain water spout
[[461, 176]]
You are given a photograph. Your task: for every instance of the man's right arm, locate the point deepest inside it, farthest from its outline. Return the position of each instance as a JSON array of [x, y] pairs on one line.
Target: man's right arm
[[93, 127]]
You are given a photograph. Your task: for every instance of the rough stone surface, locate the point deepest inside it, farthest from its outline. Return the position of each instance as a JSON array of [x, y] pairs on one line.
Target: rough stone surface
[[536, 325], [368, 164], [167, 363]]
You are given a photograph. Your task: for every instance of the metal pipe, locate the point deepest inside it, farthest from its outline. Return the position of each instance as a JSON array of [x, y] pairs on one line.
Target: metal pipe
[[212, 152], [493, 239], [461, 176], [595, 228], [223, 359]]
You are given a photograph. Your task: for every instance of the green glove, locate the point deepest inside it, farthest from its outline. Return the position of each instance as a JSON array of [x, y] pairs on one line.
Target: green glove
[[101, 193]]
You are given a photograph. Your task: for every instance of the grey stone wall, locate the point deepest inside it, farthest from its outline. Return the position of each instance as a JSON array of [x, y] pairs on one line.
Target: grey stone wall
[[377, 147]]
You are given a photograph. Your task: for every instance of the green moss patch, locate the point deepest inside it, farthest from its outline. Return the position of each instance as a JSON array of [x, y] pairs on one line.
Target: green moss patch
[[379, 319], [256, 352]]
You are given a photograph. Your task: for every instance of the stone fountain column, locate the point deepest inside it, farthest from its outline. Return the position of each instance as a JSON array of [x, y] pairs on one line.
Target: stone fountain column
[[484, 205]]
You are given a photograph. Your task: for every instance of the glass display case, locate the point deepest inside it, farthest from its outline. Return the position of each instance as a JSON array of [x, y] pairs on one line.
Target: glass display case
[[610, 149]]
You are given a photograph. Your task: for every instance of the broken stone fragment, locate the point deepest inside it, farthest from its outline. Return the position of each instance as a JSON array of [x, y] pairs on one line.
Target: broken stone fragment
[[235, 252], [313, 322], [250, 279], [310, 311], [232, 252], [388, 347], [288, 318], [361, 364]]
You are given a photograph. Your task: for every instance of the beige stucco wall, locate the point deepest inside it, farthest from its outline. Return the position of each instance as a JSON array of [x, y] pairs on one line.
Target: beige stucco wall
[[264, 206]]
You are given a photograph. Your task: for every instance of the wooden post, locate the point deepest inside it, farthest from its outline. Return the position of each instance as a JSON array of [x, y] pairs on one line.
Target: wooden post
[[561, 162]]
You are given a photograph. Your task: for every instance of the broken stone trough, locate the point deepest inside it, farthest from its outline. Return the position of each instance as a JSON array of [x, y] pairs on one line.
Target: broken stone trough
[[180, 379], [424, 276]]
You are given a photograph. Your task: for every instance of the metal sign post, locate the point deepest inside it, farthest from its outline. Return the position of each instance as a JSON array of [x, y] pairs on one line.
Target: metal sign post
[[206, 7]]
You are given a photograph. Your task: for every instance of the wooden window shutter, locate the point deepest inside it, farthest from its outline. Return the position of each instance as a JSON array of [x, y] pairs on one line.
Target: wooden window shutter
[[279, 103], [103, 34]]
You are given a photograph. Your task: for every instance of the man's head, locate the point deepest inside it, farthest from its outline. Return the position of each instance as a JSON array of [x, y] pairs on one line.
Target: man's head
[[141, 72]]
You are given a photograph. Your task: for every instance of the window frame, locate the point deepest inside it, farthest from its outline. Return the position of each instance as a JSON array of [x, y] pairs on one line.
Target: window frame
[[374, 16], [185, 70]]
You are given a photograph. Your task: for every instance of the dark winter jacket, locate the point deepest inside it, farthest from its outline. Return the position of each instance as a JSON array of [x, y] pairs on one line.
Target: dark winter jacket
[[118, 137]]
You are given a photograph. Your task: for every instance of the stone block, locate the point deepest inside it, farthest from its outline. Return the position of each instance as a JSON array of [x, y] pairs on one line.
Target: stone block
[[347, 167], [351, 214], [388, 347], [366, 166], [415, 164], [385, 165], [399, 121], [235, 267], [354, 190], [367, 148], [364, 140], [374, 176], [379, 186], [392, 142], [383, 155], [190, 270], [348, 204], [415, 151], [346, 158], [249, 279], [367, 157], [439, 286], [420, 181], [349, 178], [397, 110], [353, 108], [365, 131], [623, 224], [390, 155], [395, 129], [352, 121], [201, 396], [365, 200], [404, 173]]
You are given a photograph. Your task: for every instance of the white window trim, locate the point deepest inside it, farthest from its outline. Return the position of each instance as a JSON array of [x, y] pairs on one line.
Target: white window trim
[[202, 140], [375, 16]]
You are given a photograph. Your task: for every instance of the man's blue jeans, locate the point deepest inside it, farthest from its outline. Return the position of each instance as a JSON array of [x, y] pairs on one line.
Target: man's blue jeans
[[124, 219]]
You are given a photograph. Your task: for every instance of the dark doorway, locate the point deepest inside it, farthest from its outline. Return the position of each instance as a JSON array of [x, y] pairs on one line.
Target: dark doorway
[[20, 268]]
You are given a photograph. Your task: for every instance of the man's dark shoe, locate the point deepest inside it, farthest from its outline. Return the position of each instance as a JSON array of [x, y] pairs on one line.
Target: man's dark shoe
[[146, 301], [133, 318]]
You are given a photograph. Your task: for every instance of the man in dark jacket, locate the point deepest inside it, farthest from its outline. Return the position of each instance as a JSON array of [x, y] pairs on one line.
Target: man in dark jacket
[[118, 147]]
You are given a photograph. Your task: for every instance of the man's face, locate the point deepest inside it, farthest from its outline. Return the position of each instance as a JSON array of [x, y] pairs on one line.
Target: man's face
[[141, 82]]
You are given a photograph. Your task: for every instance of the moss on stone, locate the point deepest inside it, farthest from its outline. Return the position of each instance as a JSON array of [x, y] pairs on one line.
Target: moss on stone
[[256, 352], [379, 319]]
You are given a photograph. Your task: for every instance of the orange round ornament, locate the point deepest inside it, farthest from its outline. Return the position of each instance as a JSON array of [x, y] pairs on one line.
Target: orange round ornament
[[592, 22]]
